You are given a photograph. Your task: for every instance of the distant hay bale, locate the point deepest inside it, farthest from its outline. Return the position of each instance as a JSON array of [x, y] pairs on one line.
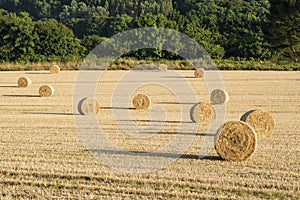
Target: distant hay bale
[[199, 73], [219, 97], [163, 68], [46, 91], [88, 106], [236, 141], [24, 82], [203, 113], [141, 101], [54, 69], [262, 122]]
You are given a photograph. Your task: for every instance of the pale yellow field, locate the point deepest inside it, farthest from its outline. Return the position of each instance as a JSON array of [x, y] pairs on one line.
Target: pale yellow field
[[41, 155]]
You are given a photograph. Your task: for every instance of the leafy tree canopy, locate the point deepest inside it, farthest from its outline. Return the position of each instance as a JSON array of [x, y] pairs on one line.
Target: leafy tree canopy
[[248, 29]]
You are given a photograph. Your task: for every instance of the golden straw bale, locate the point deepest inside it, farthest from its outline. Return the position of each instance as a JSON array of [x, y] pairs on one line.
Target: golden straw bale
[[24, 82], [162, 68], [141, 101], [88, 106], [54, 69], [262, 122], [203, 113], [219, 97], [199, 73], [46, 91], [236, 141]]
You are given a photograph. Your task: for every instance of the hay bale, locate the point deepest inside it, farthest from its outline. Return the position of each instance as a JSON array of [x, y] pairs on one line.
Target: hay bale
[[88, 106], [203, 113], [236, 141], [46, 91], [163, 68], [54, 69], [219, 97], [141, 101], [199, 73], [262, 122], [24, 82]]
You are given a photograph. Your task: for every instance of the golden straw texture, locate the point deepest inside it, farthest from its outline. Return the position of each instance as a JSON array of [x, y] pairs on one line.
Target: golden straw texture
[[24, 82], [141, 101], [162, 68], [88, 106], [203, 113], [46, 91], [54, 69], [236, 141], [199, 73], [262, 122], [219, 97]]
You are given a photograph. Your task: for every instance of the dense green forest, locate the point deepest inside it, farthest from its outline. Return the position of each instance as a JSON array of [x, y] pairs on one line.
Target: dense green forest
[[66, 30]]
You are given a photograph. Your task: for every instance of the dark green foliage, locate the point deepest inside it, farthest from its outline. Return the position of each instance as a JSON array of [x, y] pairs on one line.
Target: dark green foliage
[[17, 38], [235, 25], [90, 42], [26, 41], [283, 29], [54, 41], [248, 29], [121, 23]]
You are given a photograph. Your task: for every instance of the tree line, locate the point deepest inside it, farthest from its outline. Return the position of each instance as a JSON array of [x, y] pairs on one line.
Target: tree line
[[51, 30]]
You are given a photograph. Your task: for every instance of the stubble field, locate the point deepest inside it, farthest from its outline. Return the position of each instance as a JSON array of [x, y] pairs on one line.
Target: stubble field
[[42, 156]]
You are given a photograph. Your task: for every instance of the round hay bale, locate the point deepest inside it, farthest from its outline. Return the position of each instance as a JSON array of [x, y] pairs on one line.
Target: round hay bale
[[141, 101], [88, 106], [203, 113], [163, 68], [24, 82], [262, 122], [199, 73], [236, 141], [219, 97], [46, 91], [54, 69]]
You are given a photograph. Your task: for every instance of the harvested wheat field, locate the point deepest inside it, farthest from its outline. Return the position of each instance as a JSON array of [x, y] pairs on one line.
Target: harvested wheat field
[[42, 155]]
